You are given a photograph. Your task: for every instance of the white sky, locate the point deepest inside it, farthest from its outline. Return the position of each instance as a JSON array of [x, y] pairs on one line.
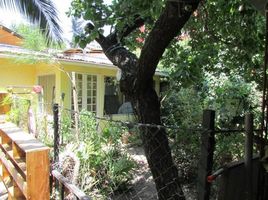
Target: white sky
[[8, 18]]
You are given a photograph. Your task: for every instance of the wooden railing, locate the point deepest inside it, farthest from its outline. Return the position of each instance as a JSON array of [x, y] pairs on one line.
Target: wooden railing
[[24, 164], [65, 184]]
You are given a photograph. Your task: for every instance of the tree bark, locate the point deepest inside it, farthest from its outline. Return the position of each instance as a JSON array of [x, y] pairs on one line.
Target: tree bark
[[137, 83]]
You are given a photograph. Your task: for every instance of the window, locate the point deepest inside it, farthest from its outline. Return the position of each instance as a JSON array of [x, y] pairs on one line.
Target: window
[[91, 89], [86, 87], [114, 101]]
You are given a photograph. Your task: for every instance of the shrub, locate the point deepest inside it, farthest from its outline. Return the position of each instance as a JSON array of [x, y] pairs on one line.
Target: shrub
[[230, 97], [104, 166]]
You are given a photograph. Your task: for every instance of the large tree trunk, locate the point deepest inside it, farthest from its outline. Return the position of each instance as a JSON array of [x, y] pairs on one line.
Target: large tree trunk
[[137, 83], [157, 148]]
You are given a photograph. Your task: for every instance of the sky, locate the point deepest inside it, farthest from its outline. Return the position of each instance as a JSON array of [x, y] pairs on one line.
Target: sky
[[8, 18]]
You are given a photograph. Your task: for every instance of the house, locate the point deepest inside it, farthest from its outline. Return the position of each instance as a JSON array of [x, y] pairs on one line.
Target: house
[[95, 76]]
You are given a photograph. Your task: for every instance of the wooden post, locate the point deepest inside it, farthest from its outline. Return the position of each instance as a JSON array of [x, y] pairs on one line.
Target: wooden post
[[248, 154], [76, 110], [56, 132], [206, 156], [62, 191]]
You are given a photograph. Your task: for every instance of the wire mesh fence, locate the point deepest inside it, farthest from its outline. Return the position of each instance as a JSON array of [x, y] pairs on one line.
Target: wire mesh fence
[[116, 159], [107, 160]]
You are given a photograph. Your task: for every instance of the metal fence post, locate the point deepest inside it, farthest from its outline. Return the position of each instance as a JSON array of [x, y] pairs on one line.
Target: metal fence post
[[56, 132], [248, 154], [206, 154]]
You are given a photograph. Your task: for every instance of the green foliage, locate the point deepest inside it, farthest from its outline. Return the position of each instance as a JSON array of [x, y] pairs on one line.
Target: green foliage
[[33, 38], [37, 49], [18, 113], [231, 97], [66, 131], [231, 43], [184, 109], [229, 147], [106, 170], [88, 127], [113, 133], [117, 15], [184, 64], [104, 167], [216, 64]]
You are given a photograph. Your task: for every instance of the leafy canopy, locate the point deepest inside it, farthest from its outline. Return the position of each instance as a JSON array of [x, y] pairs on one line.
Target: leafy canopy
[[117, 15], [223, 37]]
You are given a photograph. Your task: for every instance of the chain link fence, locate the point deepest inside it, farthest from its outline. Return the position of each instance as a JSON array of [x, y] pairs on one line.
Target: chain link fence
[[106, 158]]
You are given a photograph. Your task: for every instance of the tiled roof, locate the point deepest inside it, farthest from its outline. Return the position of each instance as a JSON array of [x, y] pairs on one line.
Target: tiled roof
[[88, 57], [14, 49], [74, 55]]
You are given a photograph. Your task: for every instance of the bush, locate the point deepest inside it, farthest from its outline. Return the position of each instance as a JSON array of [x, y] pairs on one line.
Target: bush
[[230, 97], [104, 166], [18, 113]]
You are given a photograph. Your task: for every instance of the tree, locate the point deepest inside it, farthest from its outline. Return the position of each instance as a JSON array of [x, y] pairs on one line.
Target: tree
[[164, 21], [42, 12], [231, 43], [77, 29]]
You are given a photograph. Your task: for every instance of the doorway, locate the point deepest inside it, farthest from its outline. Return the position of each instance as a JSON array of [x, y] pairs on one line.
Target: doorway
[[47, 99]]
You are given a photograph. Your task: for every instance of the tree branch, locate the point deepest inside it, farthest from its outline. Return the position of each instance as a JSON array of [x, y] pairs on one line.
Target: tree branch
[[138, 22], [169, 24], [128, 29], [123, 59]]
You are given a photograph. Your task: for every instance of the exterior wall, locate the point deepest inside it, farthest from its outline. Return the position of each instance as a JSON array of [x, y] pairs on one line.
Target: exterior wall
[[66, 86], [50, 69], [13, 73], [48, 83], [101, 73]]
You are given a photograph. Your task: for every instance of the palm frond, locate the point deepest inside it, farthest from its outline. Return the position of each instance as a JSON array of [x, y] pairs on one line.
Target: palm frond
[[42, 12]]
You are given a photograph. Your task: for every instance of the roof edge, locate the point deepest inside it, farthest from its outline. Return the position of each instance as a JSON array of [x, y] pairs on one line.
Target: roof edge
[[10, 31]]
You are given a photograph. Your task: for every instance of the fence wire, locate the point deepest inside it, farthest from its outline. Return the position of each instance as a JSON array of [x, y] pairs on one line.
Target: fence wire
[[111, 158], [107, 159]]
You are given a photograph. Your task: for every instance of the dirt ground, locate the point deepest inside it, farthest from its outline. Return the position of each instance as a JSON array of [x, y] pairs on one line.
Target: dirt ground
[[143, 187]]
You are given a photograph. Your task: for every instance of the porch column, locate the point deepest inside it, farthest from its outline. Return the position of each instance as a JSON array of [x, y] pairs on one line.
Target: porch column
[[100, 95]]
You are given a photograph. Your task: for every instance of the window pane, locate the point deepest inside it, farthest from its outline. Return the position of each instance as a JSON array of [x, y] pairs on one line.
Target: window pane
[[113, 97], [89, 95], [91, 83]]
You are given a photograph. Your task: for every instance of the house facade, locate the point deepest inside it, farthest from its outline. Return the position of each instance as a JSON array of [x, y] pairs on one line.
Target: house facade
[[88, 71]]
